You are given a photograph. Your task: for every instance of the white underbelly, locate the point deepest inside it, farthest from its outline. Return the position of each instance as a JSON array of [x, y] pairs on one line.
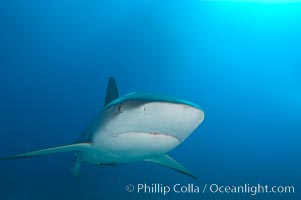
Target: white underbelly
[[130, 147]]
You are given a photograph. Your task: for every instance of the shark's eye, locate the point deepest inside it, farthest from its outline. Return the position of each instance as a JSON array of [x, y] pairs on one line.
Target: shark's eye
[[120, 108]]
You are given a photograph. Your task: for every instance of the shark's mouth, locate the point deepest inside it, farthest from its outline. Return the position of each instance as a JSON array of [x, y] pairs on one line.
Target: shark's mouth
[[153, 133], [164, 134], [142, 144]]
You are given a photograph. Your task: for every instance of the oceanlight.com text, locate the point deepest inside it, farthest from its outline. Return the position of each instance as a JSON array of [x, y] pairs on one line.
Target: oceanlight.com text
[[250, 189]]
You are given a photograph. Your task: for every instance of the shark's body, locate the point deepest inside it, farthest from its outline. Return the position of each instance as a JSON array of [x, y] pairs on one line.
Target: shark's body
[[134, 127]]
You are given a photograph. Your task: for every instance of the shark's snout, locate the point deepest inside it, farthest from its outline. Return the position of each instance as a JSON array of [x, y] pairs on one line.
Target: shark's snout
[[166, 118], [174, 119]]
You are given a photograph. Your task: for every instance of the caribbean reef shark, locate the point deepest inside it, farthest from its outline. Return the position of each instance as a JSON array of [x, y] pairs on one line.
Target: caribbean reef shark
[[134, 127]]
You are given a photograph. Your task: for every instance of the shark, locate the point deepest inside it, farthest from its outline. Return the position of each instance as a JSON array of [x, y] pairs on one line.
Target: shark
[[134, 127]]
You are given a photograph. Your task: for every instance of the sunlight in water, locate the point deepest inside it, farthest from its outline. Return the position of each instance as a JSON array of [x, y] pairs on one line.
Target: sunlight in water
[[260, 1]]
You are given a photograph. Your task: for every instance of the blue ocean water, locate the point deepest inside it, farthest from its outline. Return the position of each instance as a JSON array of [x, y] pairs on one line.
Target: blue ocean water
[[240, 61]]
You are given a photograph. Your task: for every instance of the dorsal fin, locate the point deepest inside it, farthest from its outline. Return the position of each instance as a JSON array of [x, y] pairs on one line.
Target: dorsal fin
[[112, 91]]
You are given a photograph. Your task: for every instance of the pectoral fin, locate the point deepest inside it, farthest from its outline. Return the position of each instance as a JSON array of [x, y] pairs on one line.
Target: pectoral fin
[[53, 150], [166, 161]]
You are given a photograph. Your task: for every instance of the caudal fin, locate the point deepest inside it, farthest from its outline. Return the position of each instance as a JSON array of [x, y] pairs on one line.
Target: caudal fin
[[53, 150]]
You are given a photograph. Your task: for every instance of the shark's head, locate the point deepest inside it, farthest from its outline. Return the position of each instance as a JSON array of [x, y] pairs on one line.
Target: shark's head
[[151, 120]]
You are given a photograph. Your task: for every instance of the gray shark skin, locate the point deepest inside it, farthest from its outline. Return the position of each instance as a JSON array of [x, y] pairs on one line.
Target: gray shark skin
[[134, 127]]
